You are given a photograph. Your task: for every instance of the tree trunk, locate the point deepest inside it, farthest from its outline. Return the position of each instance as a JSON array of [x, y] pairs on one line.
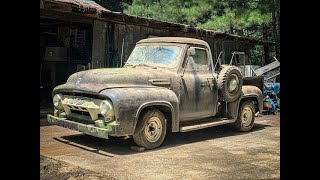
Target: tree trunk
[[276, 26], [266, 48]]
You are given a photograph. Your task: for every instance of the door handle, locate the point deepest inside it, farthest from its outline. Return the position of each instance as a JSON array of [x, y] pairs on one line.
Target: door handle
[[210, 82], [205, 84]]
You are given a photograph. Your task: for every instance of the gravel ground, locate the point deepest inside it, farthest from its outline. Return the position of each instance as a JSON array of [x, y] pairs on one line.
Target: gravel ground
[[212, 153]]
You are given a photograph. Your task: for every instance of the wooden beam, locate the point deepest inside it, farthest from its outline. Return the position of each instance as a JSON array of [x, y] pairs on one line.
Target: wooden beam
[[66, 16]]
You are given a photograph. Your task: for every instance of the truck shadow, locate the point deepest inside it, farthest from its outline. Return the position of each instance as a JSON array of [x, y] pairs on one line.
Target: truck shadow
[[115, 146]]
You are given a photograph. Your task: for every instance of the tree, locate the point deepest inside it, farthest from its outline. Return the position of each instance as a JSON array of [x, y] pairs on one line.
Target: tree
[[252, 18], [232, 16], [276, 25], [113, 5]]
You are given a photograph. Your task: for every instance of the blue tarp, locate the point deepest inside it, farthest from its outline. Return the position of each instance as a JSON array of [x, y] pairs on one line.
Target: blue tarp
[[273, 88]]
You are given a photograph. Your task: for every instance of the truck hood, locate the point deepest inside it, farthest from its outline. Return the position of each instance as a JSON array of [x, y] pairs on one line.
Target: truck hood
[[96, 80]]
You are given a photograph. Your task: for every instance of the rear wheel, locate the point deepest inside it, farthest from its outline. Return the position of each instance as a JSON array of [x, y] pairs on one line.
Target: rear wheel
[[151, 130], [246, 117]]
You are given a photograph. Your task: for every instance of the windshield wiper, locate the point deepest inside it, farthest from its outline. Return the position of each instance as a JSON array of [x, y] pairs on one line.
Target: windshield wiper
[[131, 65], [147, 65], [135, 65]]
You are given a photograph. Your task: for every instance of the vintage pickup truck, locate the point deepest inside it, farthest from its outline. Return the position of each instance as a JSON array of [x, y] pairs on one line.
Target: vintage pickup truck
[[168, 84]]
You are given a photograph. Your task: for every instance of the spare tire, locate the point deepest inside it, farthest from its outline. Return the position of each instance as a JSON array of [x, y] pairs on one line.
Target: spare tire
[[229, 83]]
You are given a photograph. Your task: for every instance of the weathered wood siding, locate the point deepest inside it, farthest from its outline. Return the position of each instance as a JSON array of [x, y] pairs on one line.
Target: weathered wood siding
[[110, 37], [99, 44]]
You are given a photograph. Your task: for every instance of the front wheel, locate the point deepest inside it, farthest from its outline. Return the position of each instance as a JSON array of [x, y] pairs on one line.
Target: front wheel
[[151, 130], [246, 117]]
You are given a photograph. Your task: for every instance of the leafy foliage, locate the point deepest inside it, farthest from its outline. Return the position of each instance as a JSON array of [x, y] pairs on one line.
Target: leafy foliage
[[233, 16], [251, 18]]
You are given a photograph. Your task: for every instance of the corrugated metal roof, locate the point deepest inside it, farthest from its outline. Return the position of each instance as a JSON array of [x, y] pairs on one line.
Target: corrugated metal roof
[[84, 4]]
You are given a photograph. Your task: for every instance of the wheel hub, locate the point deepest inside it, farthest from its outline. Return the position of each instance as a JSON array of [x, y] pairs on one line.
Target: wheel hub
[[153, 129], [246, 116]]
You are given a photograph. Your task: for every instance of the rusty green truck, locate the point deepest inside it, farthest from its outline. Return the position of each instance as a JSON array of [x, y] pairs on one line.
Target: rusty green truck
[[167, 84]]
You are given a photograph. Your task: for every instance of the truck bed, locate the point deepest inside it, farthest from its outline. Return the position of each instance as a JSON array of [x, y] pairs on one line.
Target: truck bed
[[257, 81]]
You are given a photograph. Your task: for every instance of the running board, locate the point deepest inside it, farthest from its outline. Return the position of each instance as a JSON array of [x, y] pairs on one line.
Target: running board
[[205, 125]]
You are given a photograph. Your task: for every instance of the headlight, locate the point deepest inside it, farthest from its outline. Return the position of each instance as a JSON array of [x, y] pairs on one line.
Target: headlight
[[106, 108], [233, 84], [57, 101]]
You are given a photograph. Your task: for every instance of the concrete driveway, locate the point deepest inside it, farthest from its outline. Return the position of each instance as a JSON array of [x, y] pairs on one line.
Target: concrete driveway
[[212, 153]]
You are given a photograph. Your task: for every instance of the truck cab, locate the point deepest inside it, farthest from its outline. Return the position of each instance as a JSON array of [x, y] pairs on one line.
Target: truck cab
[[167, 84]]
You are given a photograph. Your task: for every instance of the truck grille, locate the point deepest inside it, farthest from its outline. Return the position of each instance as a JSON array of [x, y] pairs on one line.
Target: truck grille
[[83, 113], [81, 107], [85, 95]]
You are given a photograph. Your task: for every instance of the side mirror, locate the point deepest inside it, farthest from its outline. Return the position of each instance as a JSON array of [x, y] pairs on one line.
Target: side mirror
[[191, 51]]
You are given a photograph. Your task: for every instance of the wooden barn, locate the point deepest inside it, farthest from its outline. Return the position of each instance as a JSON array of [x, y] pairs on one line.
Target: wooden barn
[[80, 34]]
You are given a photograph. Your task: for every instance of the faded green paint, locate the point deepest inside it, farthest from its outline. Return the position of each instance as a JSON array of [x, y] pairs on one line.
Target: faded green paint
[[102, 124], [87, 129]]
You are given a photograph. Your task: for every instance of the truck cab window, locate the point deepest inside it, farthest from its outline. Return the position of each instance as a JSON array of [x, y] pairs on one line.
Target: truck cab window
[[199, 61]]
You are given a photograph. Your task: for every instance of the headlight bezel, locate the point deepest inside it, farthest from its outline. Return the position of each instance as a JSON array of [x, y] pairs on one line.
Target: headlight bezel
[[106, 108], [57, 101]]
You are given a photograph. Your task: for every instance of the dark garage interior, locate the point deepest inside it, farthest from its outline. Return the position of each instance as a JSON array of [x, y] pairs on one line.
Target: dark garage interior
[[65, 48]]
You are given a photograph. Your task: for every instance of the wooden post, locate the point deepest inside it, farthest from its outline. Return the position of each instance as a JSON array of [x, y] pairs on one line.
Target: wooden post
[[266, 55], [99, 44]]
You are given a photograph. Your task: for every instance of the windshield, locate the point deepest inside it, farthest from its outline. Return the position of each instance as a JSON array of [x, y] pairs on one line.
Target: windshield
[[163, 55]]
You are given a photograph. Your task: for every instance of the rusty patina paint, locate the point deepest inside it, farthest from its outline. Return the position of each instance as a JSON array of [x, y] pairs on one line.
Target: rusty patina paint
[[183, 96], [96, 80], [255, 92]]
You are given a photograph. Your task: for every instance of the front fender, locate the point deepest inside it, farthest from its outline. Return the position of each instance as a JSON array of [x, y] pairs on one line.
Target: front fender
[[128, 102]]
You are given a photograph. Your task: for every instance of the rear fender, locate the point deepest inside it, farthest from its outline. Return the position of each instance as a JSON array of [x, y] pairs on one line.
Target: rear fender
[[255, 93], [251, 93]]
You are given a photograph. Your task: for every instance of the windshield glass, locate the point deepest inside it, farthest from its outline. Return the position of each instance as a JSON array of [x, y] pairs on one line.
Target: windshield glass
[[163, 55]]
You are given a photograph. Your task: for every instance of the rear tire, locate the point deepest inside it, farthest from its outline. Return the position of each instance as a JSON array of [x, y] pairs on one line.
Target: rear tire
[[246, 117], [150, 130]]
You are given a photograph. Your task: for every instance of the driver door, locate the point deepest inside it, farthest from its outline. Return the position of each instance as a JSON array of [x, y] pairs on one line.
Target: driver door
[[199, 95]]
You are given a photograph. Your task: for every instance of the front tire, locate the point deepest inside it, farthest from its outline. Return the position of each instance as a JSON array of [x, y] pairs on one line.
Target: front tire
[[246, 117], [150, 130]]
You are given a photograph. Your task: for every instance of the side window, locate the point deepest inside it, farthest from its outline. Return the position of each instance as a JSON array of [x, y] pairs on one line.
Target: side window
[[199, 61]]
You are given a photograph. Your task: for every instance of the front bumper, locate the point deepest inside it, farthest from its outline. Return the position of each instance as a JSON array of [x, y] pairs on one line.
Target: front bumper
[[87, 129]]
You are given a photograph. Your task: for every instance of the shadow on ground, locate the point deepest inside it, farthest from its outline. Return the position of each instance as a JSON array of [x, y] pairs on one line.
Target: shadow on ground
[[115, 146], [44, 122]]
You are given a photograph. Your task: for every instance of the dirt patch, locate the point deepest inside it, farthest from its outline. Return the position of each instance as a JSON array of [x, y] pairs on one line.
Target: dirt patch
[[53, 169], [273, 120]]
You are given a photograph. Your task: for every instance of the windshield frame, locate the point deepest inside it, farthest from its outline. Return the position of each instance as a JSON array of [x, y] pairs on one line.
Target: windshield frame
[[176, 63]]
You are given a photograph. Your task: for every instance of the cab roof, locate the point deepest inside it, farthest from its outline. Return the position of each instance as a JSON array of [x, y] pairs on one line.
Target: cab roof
[[182, 40]]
